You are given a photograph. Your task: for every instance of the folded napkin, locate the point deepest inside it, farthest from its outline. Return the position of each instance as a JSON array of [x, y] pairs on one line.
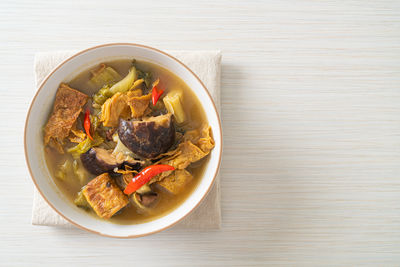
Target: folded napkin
[[207, 65]]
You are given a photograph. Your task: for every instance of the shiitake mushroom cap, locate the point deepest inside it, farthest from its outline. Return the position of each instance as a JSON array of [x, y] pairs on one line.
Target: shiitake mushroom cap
[[149, 137]]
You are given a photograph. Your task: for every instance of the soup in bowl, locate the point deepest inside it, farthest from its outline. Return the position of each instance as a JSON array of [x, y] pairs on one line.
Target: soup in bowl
[[123, 140]]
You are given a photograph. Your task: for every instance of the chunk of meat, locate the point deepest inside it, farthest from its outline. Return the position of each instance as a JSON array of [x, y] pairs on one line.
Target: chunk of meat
[[138, 103], [176, 181], [104, 196], [67, 107], [114, 108]]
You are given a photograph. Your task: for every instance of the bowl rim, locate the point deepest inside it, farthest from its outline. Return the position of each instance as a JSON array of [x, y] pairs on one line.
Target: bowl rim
[[107, 45]]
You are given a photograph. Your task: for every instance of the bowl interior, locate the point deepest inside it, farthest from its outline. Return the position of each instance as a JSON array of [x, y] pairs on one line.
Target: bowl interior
[[41, 107]]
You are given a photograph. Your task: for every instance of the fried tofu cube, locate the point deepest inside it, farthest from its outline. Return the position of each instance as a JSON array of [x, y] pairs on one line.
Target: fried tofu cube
[[176, 182], [67, 107], [104, 196]]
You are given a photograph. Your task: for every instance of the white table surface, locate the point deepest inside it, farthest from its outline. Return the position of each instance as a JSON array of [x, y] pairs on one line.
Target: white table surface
[[311, 118]]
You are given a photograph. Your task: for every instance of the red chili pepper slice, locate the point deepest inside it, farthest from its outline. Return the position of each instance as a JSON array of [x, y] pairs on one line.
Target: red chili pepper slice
[[86, 123], [145, 175], [156, 93]]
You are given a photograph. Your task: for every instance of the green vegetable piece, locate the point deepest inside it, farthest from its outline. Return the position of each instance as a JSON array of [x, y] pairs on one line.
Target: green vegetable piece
[[126, 83], [63, 169], [146, 76], [120, 148], [173, 103], [79, 172], [104, 75], [81, 201], [102, 95], [60, 175], [85, 145], [94, 119], [122, 86]]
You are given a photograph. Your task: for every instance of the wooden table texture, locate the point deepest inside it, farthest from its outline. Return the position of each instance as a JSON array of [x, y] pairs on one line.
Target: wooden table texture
[[311, 120]]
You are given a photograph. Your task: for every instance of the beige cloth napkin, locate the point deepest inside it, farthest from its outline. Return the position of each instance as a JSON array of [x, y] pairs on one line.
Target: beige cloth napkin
[[207, 65]]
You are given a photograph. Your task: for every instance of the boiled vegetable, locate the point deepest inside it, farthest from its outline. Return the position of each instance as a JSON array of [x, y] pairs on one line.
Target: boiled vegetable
[[85, 145], [121, 148], [126, 83], [63, 169], [146, 76], [173, 103], [103, 75], [81, 201], [101, 96], [79, 172], [95, 121], [122, 86]]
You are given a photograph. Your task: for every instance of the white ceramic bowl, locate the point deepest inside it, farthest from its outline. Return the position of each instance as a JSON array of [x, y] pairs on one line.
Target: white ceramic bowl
[[42, 105]]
